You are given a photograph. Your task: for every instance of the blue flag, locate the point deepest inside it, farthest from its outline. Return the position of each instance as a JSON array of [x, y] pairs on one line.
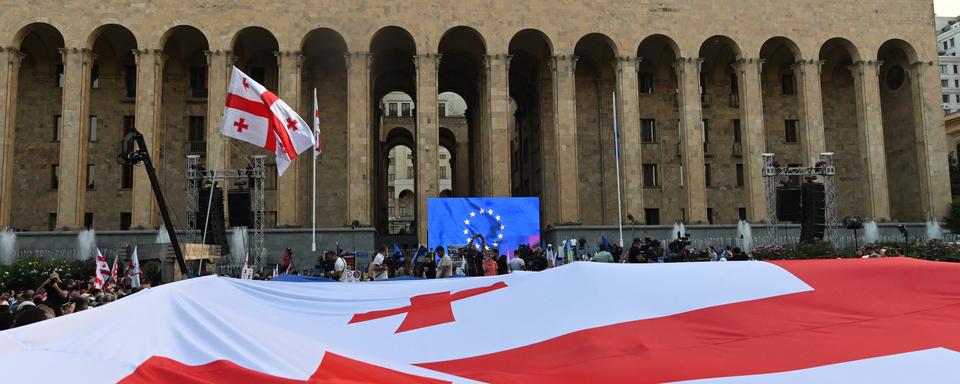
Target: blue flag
[[606, 243], [504, 222], [396, 250]]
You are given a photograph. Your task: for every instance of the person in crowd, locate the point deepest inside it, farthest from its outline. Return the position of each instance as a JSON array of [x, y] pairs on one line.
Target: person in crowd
[[430, 265], [378, 268], [336, 267], [739, 255], [501, 260], [445, 266], [28, 315], [635, 253], [490, 264], [474, 256], [517, 264], [56, 296], [602, 256], [554, 258], [287, 266]]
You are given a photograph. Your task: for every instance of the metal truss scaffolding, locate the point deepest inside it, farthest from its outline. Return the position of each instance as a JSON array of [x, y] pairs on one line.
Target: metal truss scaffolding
[[824, 168], [197, 176]]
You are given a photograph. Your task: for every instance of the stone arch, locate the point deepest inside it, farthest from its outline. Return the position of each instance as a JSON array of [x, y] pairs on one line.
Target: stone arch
[[180, 29], [393, 49], [109, 29], [717, 53], [595, 82], [34, 141], [659, 122], [899, 97], [840, 124], [531, 90], [324, 69]]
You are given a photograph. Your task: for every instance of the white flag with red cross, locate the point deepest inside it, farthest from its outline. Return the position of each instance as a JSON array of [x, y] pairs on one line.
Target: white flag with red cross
[[883, 320], [133, 270], [257, 116], [101, 272], [318, 144]]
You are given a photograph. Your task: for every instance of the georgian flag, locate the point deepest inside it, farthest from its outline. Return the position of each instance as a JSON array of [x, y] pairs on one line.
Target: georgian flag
[[888, 320], [257, 116], [318, 144], [101, 273], [133, 270]]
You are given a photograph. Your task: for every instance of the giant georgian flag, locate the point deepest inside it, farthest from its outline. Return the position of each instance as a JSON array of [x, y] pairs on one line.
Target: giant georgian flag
[[822, 321], [257, 116]]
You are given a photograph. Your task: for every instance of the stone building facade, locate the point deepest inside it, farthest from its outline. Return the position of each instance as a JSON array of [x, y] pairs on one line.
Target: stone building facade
[[700, 88]]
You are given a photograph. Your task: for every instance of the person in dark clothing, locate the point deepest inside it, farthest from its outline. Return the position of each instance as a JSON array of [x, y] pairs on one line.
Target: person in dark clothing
[[474, 256], [635, 253], [501, 263], [56, 296]]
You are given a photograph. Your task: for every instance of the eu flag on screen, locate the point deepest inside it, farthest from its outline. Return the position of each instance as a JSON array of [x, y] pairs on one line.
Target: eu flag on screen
[[505, 222]]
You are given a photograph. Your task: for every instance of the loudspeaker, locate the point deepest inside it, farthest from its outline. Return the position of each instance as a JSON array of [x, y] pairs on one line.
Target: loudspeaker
[[788, 204], [216, 230], [239, 204], [812, 223]]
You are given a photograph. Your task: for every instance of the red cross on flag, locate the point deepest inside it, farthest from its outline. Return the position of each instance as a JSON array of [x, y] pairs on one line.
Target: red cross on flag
[[101, 272], [257, 116]]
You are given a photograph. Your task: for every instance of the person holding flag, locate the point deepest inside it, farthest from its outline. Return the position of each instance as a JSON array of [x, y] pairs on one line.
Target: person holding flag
[[132, 273], [257, 116]]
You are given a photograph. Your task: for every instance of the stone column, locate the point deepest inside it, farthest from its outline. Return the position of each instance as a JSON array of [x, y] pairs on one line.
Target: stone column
[[9, 78], [691, 140], [219, 65], [288, 185], [71, 195], [752, 135], [934, 172], [497, 155], [565, 134], [426, 160], [149, 91], [358, 138], [812, 140], [628, 114], [870, 128]]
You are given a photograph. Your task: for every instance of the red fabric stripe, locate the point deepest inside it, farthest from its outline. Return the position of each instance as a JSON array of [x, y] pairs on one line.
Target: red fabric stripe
[[334, 369], [277, 126], [859, 309]]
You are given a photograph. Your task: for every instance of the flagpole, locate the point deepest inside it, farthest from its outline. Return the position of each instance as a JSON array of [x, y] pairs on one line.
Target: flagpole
[[616, 139], [313, 177]]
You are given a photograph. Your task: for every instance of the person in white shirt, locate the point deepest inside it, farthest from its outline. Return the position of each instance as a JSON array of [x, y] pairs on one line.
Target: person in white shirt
[[339, 271], [445, 267], [517, 264], [378, 270]]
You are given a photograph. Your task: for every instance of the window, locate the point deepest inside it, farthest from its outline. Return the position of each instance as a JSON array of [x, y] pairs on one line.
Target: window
[[129, 125], [958, 98], [130, 81], [790, 128], [648, 129], [393, 109], [956, 83], [406, 109], [91, 176], [57, 127], [787, 84], [51, 221], [709, 215], [943, 70], [198, 81], [88, 220], [734, 84], [125, 220], [651, 216], [404, 210], [92, 129], [944, 83], [737, 136], [59, 79], [706, 131], [442, 109], [742, 213], [707, 177], [443, 172], [55, 176], [409, 172], [126, 177], [95, 76], [952, 43], [646, 82], [946, 98], [196, 134], [650, 175], [945, 46], [739, 174], [956, 69]]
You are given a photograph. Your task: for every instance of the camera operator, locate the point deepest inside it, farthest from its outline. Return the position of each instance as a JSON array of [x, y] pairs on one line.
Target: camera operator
[[334, 266], [56, 296]]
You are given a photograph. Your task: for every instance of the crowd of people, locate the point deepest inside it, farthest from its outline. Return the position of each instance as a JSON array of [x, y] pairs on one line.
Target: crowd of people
[[56, 297]]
